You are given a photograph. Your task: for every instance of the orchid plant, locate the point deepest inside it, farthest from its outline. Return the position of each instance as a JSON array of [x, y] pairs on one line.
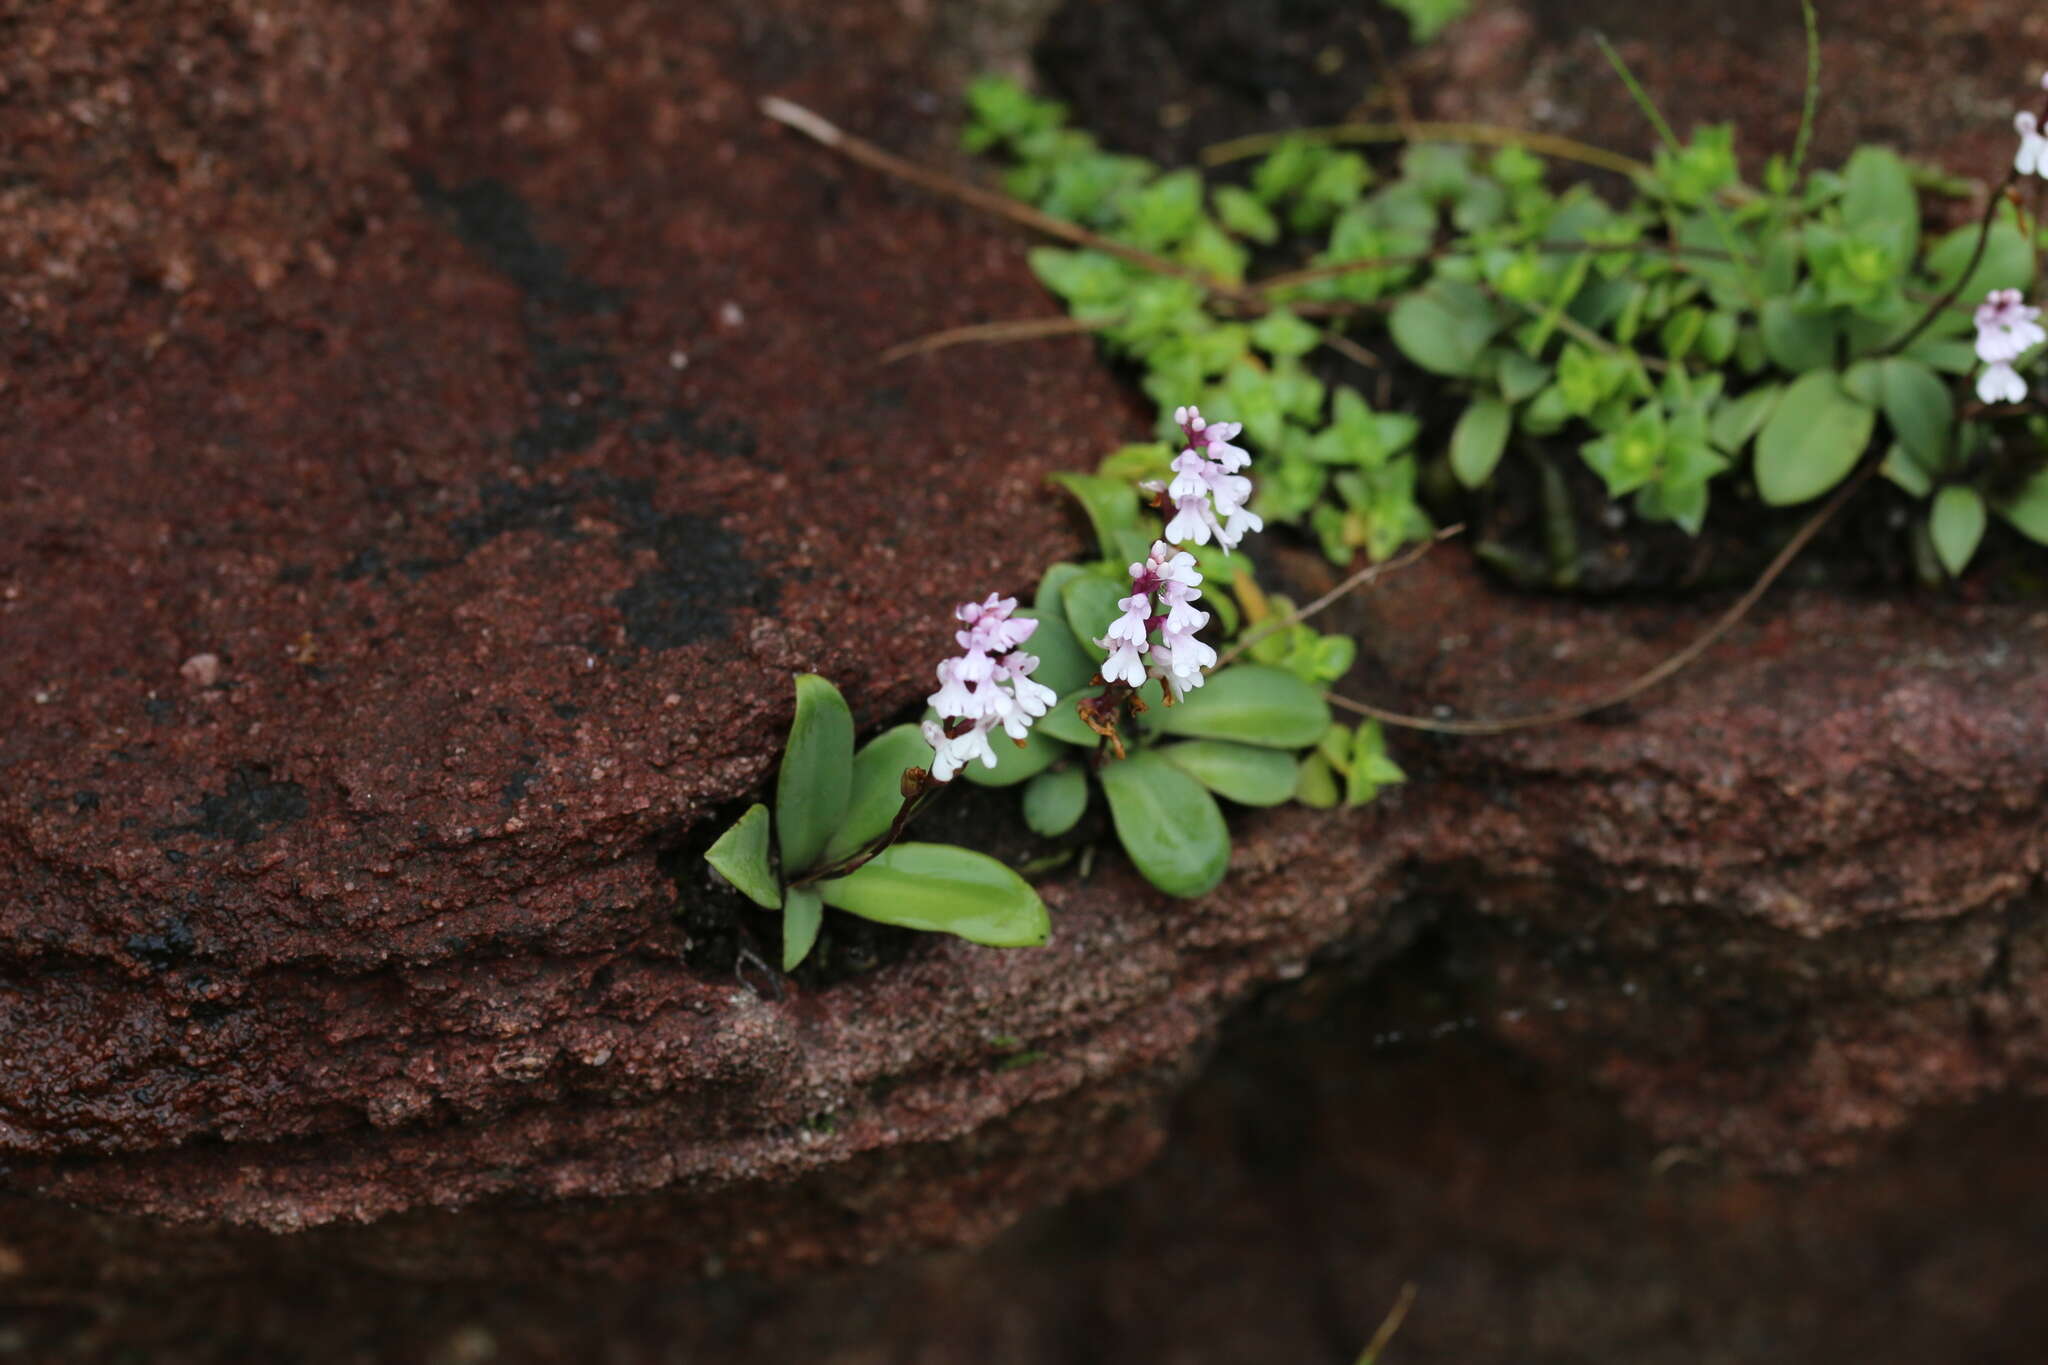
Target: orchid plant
[[1117, 686]]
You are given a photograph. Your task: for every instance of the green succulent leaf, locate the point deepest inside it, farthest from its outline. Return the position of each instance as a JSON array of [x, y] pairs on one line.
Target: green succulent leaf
[[1797, 339], [1055, 801], [2027, 509], [1371, 768], [817, 774], [1237, 772], [1062, 664], [1812, 440], [1445, 327], [1111, 504], [1914, 400], [1478, 441], [1315, 785], [1168, 823], [1090, 603], [942, 889], [1956, 525], [1251, 704], [741, 857], [876, 793], [802, 915]]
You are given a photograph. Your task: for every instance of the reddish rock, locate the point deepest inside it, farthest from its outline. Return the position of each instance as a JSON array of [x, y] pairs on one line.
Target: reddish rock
[[507, 524]]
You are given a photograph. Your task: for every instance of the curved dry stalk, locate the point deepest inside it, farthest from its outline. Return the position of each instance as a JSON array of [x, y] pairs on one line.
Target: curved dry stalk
[[1481, 134], [822, 130], [1643, 683], [993, 333], [1349, 585]]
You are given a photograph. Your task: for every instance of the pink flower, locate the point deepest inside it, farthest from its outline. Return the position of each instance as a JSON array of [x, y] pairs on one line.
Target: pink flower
[[2001, 383], [1209, 496], [2006, 327], [988, 685]]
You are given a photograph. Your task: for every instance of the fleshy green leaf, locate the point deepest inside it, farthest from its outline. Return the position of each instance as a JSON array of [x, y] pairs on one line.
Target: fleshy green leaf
[[1111, 505], [1062, 664], [1252, 704], [1796, 340], [2008, 261], [741, 857], [817, 773], [1047, 601], [1281, 333], [1169, 825], [2027, 509], [1913, 399], [945, 890], [1237, 772], [801, 917], [1879, 203], [1737, 419], [1316, 785], [1956, 525], [1371, 769], [1091, 604], [1812, 440], [876, 793], [1055, 801], [1445, 327], [1478, 440], [1244, 215]]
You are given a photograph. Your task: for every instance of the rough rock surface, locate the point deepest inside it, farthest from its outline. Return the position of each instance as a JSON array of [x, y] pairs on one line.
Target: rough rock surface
[[391, 589]]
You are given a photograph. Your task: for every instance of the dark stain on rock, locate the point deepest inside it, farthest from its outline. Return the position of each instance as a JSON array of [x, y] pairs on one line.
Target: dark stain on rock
[[493, 222], [252, 806], [702, 576], [165, 947]]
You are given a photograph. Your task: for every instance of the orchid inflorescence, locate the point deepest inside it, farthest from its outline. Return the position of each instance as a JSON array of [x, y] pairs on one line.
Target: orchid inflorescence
[[990, 683]]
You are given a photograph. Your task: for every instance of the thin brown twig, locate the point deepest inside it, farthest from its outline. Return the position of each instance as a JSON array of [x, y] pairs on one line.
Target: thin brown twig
[[1949, 295], [1350, 350], [1351, 584], [1396, 1315], [1643, 683], [824, 131], [1016, 329]]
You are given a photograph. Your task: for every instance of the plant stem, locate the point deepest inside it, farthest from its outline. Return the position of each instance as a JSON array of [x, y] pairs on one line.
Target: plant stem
[[1644, 682], [1955, 290], [1330, 598], [860, 857]]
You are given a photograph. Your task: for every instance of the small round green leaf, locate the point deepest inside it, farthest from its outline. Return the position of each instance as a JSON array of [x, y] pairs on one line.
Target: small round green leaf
[[817, 773], [1956, 525], [741, 857], [943, 890], [1478, 440], [1169, 825], [876, 793], [801, 917], [1055, 801], [1813, 439], [1236, 772], [1445, 327], [1252, 704]]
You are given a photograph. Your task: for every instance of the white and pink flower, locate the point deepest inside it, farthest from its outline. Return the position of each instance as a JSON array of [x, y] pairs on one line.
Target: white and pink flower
[[1209, 496], [988, 685], [2007, 328]]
